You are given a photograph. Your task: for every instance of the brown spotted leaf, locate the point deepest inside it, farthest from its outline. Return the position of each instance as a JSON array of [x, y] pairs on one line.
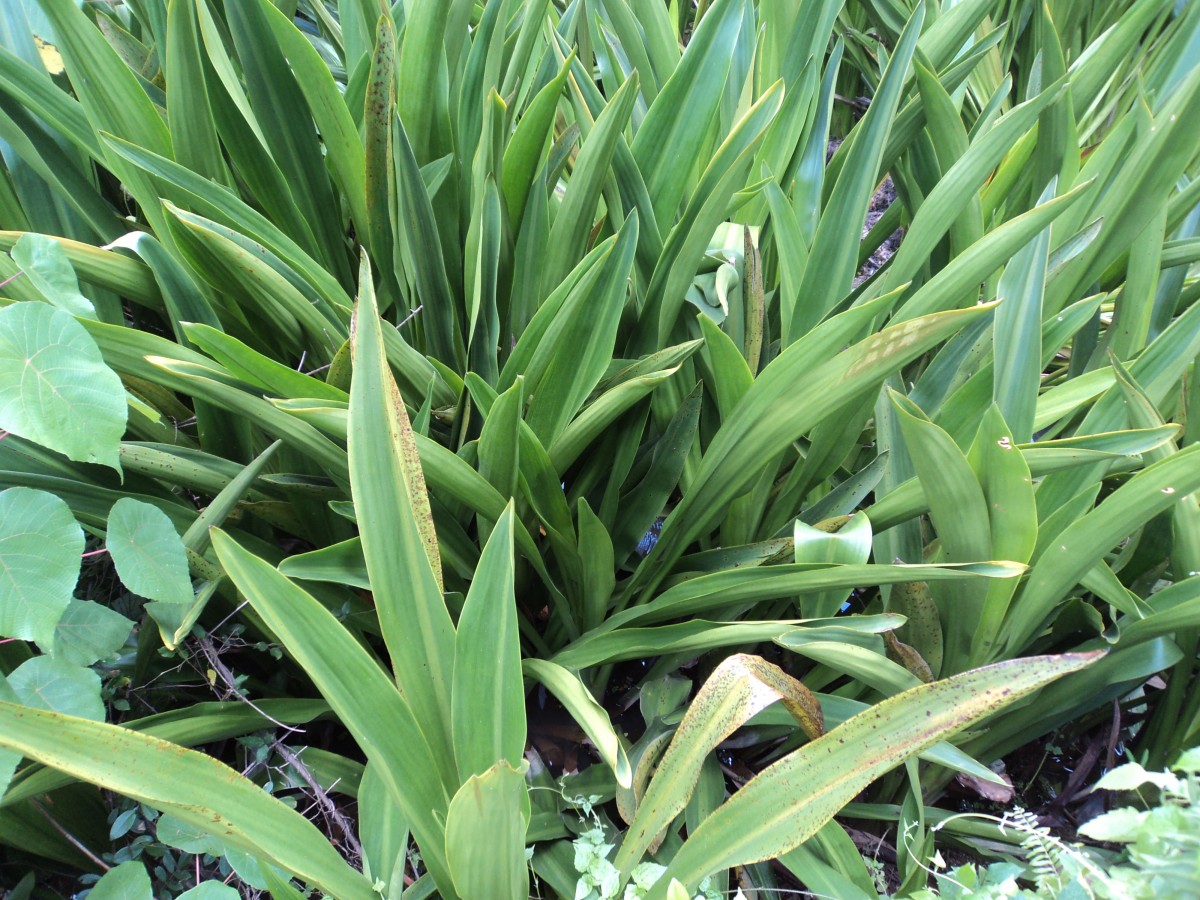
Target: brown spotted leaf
[[790, 801], [739, 687], [398, 541]]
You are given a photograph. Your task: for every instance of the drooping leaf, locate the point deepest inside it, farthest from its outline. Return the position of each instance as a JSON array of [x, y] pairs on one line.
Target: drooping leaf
[[45, 264], [195, 787], [738, 688], [789, 801]]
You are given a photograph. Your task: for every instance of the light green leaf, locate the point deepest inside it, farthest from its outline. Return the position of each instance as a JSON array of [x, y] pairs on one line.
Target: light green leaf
[[851, 544], [740, 686], [789, 801], [1121, 825], [56, 685], [40, 547], [485, 835], [591, 716], [48, 269], [679, 121], [210, 890], [396, 525], [1017, 335], [359, 690], [383, 830], [488, 700], [148, 552], [174, 832], [89, 632], [195, 787], [8, 758], [128, 881], [763, 425], [55, 389]]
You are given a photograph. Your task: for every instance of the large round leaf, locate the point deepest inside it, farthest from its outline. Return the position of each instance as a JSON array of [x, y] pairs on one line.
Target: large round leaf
[[40, 548], [55, 389], [148, 552], [55, 685]]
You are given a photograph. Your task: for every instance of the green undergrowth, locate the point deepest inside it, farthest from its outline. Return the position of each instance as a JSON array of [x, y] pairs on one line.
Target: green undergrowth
[[416, 415]]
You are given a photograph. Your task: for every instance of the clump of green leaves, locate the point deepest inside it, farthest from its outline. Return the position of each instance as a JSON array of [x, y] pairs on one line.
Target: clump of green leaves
[[1160, 854], [403, 330], [599, 879], [1161, 840]]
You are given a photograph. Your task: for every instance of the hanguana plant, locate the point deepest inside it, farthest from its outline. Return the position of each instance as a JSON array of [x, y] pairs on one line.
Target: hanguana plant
[[495, 360]]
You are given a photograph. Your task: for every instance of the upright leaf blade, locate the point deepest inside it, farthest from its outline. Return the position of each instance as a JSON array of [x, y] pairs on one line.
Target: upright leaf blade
[[396, 525], [488, 702], [359, 691], [485, 835]]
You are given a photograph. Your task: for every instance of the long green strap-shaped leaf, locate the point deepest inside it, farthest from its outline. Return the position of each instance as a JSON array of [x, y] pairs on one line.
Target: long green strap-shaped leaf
[[279, 105], [422, 102], [1017, 336], [1152, 491], [190, 726], [107, 88], [953, 192], [590, 715], [189, 113], [707, 207], [421, 245], [787, 803], [584, 346], [488, 703], [195, 787], [836, 241], [1012, 508], [344, 152], [359, 691], [764, 425], [396, 526], [678, 123], [573, 223], [959, 511], [379, 109], [105, 268], [523, 153]]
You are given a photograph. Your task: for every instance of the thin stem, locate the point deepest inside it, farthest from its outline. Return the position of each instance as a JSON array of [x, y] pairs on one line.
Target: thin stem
[[70, 837]]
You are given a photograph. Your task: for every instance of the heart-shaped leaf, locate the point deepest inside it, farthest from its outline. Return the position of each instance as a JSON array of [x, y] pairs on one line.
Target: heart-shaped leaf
[[55, 685], [40, 547], [89, 632], [148, 552], [55, 388]]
